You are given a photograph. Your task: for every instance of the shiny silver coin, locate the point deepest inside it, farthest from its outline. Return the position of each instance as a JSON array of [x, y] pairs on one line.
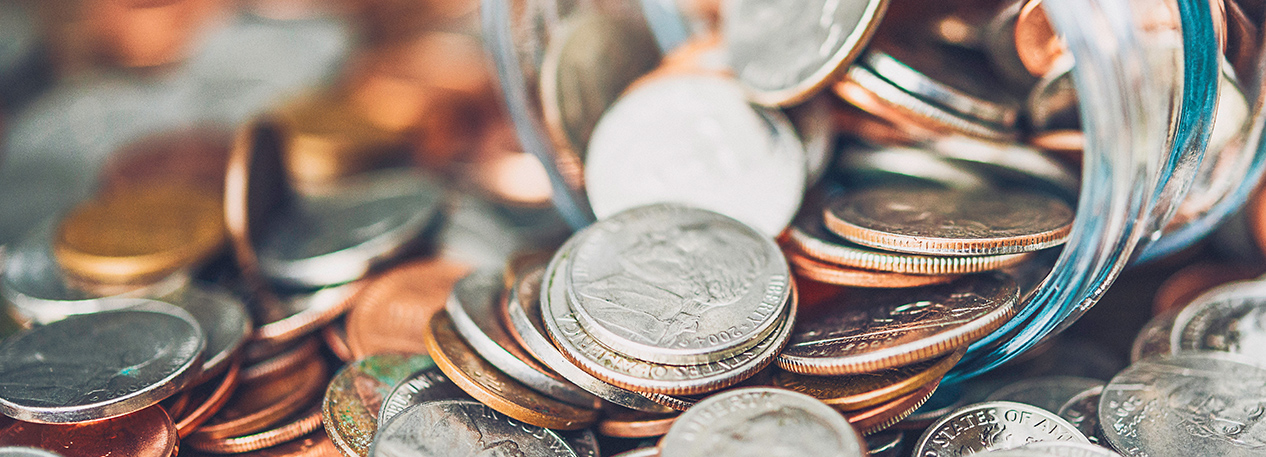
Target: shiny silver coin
[[785, 51], [461, 427], [1070, 449], [1153, 339], [1189, 404], [694, 139], [483, 234], [426, 385], [1049, 393], [993, 426], [341, 234], [1083, 412], [101, 365], [676, 285], [1230, 318], [948, 222], [524, 310], [907, 108], [224, 321], [759, 421], [472, 308], [21, 451], [935, 74], [1052, 103], [866, 164], [1009, 162]]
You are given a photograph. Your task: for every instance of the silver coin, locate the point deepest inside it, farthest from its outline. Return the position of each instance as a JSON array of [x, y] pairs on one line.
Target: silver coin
[[483, 234], [462, 427], [993, 426], [1015, 162], [913, 108], [1153, 339], [525, 316], [1230, 318], [101, 365], [761, 421], [815, 125], [1070, 449], [863, 163], [582, 349], [223, 319], [937, 75], [1049, 392], [471, 305], [21, 451], [426, 385], [784, 51], [1052, 103], [1083, 412], [694, 139], [676, 285], [339, 236], [640, 452], [1189, 404]]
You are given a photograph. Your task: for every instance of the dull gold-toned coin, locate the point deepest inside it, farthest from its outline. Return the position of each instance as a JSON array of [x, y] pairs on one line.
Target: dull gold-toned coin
[[352, 401], [855, 392], [325, 139], [140, 234], [491, 387]]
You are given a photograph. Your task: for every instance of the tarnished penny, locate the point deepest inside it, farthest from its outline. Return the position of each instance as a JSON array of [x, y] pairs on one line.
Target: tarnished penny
[[993, 426], [398, 302], [627, 423], [485, 383], [145, 433], [207, 400], [884, 415], [1035, 40], [856, 277], [258, 405], [463, 427], [427, 384], [354, 396], [305, 423], [850, 393], [137, 235], [890, 328], [950, 222], [779, 422]]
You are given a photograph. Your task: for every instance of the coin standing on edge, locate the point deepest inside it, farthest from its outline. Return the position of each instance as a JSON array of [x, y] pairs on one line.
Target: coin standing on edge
[[462, 427], [993, 426], [776, 421]]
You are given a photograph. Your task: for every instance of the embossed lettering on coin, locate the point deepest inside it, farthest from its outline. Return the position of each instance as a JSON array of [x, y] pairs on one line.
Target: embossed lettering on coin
[[993, 426]]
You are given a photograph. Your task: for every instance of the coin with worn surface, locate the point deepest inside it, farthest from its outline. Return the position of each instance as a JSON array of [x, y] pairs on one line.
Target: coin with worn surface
[[993, 426], [884, 415], [299, 425], [485, 383], [463, 427], [868, 389], [808, 267], [761, 421], [340, 235], [694, 140], [1189, 404], [206, 400], [899, 327], [626, 423], [1069, 449], [224, 321], [1083, 412], [1048, 392], [472, 307], [1230, 318], [391, 308], [102, 365], [676, 285], [783, 52], [259, 404], [356, 394], [427, 384], [523, 313], [949, 222], [145, 433]]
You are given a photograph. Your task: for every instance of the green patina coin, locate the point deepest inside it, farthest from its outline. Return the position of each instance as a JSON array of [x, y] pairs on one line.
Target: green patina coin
[[350, 409]]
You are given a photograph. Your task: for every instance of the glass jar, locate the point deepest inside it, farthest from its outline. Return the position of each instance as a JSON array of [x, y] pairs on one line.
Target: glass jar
[[1156, 175]]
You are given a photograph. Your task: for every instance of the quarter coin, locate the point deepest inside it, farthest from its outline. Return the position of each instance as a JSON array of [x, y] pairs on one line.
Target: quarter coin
[[850, 393], [1069, 449], [994, 426], [890, 328], [462, 427], [425, 385], [356, 394], [102, 365], [145, 433], [1230, 318], [775, 421], [388, 312]]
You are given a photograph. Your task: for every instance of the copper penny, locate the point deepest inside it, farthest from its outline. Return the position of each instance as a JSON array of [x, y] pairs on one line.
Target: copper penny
[[1191, 281], [860, 391], [839, 275], [303, 424], [1035, 40], [258, 405], [301, 314], [145, 433], [483, 382], [192, 157], [335, 337], [283, 363], [398, 302], [314, 444], [355, 395], [880, 417], [627, 423], [206, 400]]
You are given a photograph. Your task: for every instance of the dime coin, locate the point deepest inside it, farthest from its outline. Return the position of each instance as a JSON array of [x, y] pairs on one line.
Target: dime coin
[[784, 52], [485, 383], [580, 348], [306, 423], [1200, 403], [523, 311], [625, 423], [848, 393], [1083, 412], [298, 315], [1230, 318], [207, 400], [807, 267], [223, 319], [463, 427], [948, 222], [425, 385], [257, 405], [394, 304], [145, 433], [357, 392], [1048, 393], [776, 421], [472, 309], [676, 285], [101, 365], [339, 236], [882, 416], [899, 327], [583, 442], [994, 426], [691, 139]]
